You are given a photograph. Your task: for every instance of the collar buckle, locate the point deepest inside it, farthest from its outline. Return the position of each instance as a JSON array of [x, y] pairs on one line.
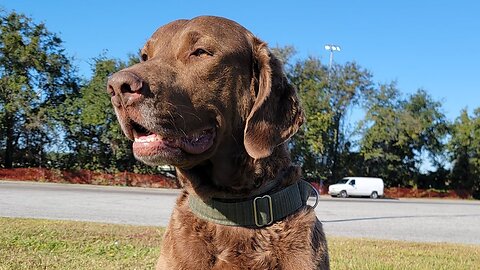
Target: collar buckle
[[263, 211]]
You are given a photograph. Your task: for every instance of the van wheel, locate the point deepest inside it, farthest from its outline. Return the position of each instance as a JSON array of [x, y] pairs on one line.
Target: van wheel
[[343, 194], [374, 195]]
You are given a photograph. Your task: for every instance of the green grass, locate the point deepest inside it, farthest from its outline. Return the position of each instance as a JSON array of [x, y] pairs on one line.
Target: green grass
[[44, 244], [381, 254]]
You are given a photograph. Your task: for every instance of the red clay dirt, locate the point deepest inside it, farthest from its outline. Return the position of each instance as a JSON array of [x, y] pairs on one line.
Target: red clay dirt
[[161, 181], [89, 177]]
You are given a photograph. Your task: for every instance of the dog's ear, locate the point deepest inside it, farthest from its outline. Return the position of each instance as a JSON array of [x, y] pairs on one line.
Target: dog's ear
[[276, 113]]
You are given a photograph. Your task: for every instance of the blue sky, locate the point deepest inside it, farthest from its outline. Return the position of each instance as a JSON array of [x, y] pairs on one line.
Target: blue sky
[[433, 45]]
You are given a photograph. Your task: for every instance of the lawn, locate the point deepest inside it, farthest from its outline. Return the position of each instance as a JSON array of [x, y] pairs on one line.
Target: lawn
[[45, 244]]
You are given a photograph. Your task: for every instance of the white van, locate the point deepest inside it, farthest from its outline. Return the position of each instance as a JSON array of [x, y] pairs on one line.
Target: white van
[[357, 186]]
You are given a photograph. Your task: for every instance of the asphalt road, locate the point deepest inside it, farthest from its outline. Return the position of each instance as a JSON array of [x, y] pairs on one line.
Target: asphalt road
[[411, 220]]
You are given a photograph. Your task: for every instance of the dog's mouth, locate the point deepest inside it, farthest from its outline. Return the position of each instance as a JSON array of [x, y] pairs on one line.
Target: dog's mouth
[[147, 143]]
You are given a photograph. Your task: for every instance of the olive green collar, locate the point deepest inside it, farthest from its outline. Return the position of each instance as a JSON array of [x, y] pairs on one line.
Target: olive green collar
[[255, 212]]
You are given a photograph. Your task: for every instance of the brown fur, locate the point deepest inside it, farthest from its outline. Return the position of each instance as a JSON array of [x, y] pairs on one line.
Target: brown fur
[[209, 75]]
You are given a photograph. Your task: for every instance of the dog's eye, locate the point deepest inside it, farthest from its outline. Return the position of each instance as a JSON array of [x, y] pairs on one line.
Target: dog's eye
[[200, 52], [144, 57]]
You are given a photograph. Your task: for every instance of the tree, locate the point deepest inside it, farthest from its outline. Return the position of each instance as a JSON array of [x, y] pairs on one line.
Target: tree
[[397, 131], [465, 148], [310, 143], [348, 84], [380, 134], [91, 121], [35, 78], [326, 96], [94, 135]]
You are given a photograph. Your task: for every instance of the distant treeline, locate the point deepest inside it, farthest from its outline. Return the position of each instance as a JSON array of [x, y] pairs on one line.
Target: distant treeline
[[51, 117]]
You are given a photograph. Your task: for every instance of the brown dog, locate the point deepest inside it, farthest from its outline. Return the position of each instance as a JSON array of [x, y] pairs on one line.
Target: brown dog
[[210, 99]]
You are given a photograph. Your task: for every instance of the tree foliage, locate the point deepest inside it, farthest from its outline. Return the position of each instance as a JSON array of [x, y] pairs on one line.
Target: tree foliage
[[93, 133], [395, 133], [311, 142], [465, 148], [36, 77], [326, 96]]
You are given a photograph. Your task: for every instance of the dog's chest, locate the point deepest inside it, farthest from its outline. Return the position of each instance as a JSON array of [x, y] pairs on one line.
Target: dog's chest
[[202, 246]]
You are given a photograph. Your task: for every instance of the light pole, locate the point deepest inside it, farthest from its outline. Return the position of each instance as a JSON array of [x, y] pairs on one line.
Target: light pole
[[332, 48]]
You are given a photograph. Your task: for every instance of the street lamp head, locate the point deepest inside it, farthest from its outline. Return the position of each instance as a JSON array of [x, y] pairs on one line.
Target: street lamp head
[[331, 47]]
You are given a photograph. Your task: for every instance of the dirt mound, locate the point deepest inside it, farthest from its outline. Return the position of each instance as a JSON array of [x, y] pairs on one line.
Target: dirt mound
[[400, 192], [89, 177]]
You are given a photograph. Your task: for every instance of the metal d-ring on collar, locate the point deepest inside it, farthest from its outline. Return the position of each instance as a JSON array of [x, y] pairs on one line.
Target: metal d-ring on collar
[[317, 194], [269, 208]]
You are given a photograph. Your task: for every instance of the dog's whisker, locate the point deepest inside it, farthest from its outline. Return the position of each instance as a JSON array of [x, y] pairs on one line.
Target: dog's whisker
[[183, 119], [172, 121], [194, 115]]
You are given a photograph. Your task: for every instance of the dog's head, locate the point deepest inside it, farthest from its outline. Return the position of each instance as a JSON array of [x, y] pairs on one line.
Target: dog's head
[[203, 86]]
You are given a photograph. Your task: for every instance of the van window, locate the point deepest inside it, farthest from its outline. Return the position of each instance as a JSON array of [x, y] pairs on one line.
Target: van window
[[343, 181], [352, 182]]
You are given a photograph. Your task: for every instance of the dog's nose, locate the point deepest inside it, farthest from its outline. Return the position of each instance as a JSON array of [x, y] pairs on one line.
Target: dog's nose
[[125, 88]]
